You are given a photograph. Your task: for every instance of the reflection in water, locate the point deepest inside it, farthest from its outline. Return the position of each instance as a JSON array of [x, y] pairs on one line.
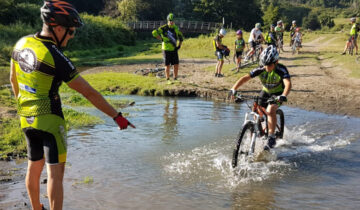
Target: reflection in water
[[253, 197], [170, 123]]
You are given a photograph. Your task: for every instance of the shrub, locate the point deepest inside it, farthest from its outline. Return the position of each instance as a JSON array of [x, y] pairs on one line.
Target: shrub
[[311, 22]]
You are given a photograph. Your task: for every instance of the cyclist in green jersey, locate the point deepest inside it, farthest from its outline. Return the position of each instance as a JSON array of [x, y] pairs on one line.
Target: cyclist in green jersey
[[38, 68], [221, 51], [292, 31], [169, 34], [353, 36], [239, 48], [270, 37], [279, 29], [276, 82]]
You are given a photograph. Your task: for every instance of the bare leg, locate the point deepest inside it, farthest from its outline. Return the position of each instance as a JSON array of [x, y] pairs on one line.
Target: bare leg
[[176, 69], [238, 63], [356, 47], [346, 47], [55, 185], [271, 109], [167, 71], [220, 66], [32, 182]]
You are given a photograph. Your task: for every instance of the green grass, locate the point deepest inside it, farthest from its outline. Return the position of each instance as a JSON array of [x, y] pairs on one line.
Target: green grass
[[76, 100], [110, 83], [12, 140], [4, 75]]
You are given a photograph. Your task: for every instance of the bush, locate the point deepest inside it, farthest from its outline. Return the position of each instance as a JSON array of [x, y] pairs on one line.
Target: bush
[[326, 21], [311, 22], [101, 32]]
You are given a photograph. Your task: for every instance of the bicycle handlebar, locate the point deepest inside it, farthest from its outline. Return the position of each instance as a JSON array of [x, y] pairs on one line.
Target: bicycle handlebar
[[270, 100]]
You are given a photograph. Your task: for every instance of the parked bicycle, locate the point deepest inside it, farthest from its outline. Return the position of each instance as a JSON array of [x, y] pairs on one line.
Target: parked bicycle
[[295, 46], [255, 128], [279, 45]]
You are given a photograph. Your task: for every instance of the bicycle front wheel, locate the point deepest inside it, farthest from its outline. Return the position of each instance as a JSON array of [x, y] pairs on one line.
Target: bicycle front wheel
[[244, 145], [280, 123]]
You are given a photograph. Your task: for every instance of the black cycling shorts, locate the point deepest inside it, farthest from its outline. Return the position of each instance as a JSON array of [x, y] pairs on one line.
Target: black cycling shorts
[[239, 54], [219, 55], [171, 57], [266, 96], [46, 137]]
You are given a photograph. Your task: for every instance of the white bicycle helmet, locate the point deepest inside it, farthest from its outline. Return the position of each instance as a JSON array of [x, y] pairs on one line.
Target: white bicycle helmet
[[353, 19], [279, 22], [269, 55], [222, 32], [294, 22]]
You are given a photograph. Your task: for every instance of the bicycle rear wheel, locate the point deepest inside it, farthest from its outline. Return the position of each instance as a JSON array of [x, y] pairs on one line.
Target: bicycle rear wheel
[[243, 143], [358, 59]]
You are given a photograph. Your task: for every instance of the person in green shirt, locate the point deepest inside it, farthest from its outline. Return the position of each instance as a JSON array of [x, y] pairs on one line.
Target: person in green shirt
[[279, 29], [292, 31], [353, 36], [170, 34], [239, 48], [221, 51], [37, 69], [270, 37]]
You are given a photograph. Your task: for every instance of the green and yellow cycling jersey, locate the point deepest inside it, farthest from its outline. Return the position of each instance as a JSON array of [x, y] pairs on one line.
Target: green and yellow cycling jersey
[[239, 45], [354, 30], [272, 81], [40, 70], [169, 34], [217, 39]]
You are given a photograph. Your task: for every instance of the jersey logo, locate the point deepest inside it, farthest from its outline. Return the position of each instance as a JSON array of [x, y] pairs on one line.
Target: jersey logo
[[27, 60]]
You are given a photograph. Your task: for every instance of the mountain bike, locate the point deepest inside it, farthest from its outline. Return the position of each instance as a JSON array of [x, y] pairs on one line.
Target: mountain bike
[[255, 57], [351, 46], [295, 46], [255, 128]]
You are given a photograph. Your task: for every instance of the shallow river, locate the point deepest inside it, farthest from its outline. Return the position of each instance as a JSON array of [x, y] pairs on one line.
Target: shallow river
[[179, 157]]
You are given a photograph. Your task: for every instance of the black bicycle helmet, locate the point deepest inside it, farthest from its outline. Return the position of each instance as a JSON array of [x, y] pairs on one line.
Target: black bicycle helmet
[[57, 12], [269, 55]]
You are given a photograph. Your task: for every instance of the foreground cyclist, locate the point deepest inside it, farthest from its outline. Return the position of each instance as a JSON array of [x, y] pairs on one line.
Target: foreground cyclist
[[38, 68], [275, 79]]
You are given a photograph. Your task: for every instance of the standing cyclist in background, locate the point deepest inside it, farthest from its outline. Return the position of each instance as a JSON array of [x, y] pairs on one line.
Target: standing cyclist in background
[[220, 52], [169, 34], [292, 31], [279, 29], [255, 39], [239, 48], [353, 35], [275, 79], [270, 37], [38, 68]]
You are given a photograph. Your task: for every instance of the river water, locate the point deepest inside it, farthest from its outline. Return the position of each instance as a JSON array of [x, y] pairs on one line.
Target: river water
[[179, 157]]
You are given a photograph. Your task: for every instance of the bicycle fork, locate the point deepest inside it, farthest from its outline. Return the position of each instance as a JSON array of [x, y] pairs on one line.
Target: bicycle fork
[[255, 133]]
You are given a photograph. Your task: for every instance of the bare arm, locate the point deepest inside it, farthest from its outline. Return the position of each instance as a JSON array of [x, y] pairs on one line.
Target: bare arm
[[241, 81], [83, 87], [287, 83], [13, 80]]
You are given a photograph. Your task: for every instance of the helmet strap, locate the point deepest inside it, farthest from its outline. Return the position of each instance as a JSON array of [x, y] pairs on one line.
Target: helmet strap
[[58, 43]]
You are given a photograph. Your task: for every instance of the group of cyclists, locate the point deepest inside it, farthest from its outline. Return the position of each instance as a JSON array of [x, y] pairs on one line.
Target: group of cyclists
[[274, 37], [38, 67]]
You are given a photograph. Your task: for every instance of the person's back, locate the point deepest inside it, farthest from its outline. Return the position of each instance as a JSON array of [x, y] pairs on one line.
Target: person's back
[[41, 68]]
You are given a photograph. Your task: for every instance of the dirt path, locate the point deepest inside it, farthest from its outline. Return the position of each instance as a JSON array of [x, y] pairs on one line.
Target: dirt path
[[318, 84]]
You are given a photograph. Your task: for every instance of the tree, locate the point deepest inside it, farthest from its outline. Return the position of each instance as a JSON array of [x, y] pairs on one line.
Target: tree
[[129, 9], [311, 22], [271, 15]]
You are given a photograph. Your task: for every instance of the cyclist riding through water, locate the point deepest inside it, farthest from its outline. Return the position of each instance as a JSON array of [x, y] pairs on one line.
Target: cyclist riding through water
[[355, 28], [279, 29], [37, 69], [170, 35], [220, 52], [276, 82], [255, 39], [239, 48]]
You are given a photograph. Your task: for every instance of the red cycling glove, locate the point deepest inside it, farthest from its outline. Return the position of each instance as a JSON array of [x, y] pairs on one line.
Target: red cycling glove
[[121, 121]]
